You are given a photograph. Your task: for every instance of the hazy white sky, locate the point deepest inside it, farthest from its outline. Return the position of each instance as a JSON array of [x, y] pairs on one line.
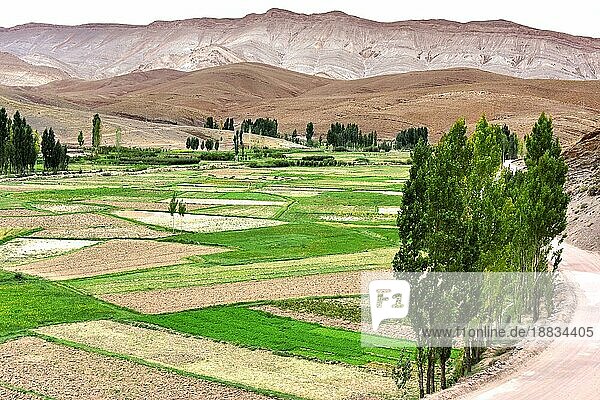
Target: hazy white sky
[[578, 17]]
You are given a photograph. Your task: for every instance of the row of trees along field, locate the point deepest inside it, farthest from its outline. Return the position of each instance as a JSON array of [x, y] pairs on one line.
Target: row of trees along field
[[20, 146], [55, 154], [340, 135], [462, 212], [194, 143], [408, 138], [211, 123]]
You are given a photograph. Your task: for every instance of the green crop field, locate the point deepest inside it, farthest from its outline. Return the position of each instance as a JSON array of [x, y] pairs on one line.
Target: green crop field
[[257, 329], [27, 303], [195, 274], [331, 224]]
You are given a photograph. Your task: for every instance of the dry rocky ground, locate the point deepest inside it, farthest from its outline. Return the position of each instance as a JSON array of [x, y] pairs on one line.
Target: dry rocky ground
[[82, 226], [116, 255], [68, 208], [9, 394], [179, 299], [198, 223], [583, 217], [229, 202], [70, 374], [27, 250], [20, 212]]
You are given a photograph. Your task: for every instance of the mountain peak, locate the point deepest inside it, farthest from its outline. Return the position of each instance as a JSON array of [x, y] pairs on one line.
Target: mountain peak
[[332, 44]]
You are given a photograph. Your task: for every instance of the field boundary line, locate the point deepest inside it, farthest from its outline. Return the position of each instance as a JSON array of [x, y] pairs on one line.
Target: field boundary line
[[284, 209], [14, 388]]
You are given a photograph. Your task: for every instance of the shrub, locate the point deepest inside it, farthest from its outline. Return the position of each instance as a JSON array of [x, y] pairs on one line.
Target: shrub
[[318, 158]]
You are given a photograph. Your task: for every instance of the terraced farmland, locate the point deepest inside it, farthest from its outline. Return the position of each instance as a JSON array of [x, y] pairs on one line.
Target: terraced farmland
[[93, 265]]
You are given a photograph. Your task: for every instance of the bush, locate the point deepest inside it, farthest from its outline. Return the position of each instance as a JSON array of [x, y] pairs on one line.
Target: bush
[[217, 156], [318, 158]]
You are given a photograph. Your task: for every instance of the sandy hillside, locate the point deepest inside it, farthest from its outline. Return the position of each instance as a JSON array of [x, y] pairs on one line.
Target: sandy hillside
[[164, 107]]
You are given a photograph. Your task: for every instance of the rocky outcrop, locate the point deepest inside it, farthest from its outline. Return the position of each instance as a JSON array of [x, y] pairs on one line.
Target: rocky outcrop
[[333, 44], [583, 216], [16, 72]]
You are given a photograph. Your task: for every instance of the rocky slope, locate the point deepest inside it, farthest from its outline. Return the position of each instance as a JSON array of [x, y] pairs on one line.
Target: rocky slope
[[583, 158], [333, 44], [16, 72]]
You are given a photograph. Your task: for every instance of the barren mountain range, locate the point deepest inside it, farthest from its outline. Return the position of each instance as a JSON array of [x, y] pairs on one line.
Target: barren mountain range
[[16, 72], [333, 44]]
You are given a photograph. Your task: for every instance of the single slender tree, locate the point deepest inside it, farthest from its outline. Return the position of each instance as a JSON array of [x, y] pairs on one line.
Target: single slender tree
[[173, 209], [310, 132], [96, 132], [5, 128], [80, 139], [542, 208], [181, 209]]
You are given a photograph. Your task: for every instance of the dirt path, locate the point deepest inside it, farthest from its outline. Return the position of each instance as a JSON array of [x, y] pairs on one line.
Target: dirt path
[[567, 368]]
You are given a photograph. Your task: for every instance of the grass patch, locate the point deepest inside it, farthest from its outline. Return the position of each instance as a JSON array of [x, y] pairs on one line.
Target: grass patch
[[7, 234], [288, 242], [27, 303], [85, 194], [347, 308], [257, 329], [187, 275]]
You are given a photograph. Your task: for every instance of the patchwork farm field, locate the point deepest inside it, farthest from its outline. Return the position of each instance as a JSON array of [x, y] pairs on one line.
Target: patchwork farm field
[[97, 273]]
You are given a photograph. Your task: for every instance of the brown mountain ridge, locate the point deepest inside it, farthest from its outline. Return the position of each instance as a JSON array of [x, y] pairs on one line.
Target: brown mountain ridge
[[385, 103]]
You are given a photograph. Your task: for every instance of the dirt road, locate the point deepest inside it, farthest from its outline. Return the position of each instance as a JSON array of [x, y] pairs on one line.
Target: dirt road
[[567, 368]]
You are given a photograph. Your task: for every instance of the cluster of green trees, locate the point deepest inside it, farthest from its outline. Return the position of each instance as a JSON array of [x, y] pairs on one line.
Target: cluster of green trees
[[261, 126], [510, 144], [19, 144], [228, 126], [340, 135], [210, 144], [210, 123], [176, 207], [193, 143], [462, 212], [55, 154], [408, 138], [238, 144]]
